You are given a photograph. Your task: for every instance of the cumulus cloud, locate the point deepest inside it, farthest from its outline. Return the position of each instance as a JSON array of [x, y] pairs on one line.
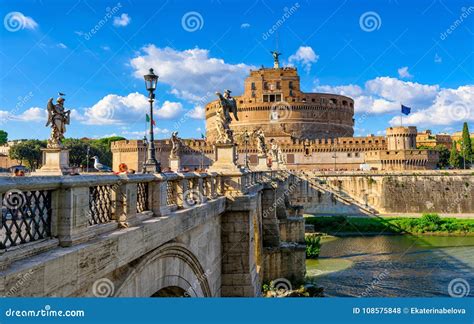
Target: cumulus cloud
[[304, 56], [404, 73], [115, 110], [61, 45], [197, 112], [245, 25], [122, 21], [192, 74], [431, 104]]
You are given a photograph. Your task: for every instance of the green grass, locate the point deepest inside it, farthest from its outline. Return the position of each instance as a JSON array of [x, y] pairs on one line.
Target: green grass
[[313, 246], [427, 224]]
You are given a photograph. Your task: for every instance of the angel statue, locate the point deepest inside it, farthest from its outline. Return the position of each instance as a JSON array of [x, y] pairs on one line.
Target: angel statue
[[58, 118], [261, 146], [176, 145], [227, 105]]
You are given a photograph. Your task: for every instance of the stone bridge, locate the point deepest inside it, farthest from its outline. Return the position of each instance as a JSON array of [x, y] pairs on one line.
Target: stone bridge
[[170, 234]]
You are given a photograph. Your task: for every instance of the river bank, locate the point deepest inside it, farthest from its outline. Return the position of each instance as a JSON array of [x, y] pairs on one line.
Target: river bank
[[428, 224]]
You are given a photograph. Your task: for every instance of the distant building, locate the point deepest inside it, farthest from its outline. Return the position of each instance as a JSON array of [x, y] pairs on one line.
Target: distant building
[[314, 131], [428, 139]]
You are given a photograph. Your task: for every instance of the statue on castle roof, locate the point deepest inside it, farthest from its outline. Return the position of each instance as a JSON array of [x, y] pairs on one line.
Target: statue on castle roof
[[276, 61], [58, 118], [226, 106], [176, 145]]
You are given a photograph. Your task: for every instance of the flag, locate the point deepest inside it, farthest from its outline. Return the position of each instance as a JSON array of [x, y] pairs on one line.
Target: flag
[[203, 136], [148, 120], [406, 110]]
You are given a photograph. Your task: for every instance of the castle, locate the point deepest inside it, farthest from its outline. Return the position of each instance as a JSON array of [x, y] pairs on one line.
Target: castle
[[313, 130]]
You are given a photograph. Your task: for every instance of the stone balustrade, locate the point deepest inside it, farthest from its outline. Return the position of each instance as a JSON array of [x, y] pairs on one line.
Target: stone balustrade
[[40, 213]]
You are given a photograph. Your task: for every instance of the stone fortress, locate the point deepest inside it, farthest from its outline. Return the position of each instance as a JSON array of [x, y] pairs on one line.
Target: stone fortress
[[313, 130]]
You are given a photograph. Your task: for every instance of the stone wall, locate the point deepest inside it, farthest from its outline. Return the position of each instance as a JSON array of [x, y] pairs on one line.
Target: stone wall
[[391, 192]]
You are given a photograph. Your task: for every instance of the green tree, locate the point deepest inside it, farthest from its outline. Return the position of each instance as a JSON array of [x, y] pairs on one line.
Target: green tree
[[28, 152], [454, 157], [3, 137], [443, 154], [466, 147]]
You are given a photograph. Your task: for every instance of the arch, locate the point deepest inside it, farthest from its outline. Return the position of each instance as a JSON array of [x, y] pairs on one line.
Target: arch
[[166, 270]]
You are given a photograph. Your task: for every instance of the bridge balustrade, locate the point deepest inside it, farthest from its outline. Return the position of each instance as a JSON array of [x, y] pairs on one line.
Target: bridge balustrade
[[39, 213]]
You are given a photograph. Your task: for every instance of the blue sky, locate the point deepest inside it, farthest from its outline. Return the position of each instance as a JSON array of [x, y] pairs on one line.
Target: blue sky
[[381, 53]]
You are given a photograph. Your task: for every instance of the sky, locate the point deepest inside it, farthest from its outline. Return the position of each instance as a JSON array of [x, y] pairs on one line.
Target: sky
[[381, 53]]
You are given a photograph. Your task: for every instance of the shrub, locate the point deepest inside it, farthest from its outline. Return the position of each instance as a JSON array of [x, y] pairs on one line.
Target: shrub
[[313, 246]]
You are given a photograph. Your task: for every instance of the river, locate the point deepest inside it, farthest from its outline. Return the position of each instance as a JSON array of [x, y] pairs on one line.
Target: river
[[393, 266]]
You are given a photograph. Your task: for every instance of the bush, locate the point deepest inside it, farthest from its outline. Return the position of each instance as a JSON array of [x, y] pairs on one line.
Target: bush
[[313, 246]]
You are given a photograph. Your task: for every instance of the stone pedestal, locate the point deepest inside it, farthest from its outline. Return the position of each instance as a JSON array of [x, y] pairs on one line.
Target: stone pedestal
[[225, 158], [55, 162], [262, 163], [175, 164]]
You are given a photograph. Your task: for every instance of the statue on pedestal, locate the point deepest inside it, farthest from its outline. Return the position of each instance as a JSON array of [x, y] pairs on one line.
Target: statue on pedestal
[[261, 146], [227, 105], [176, 145], [58, 118]]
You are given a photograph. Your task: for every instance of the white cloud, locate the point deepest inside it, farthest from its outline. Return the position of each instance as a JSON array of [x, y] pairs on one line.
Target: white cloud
[[169, 110], [404, 73], [116, 110], [431, 104], [245, 25], [61, 45], [105, 48], [192, 74], [122, 21], [17, 20], [304, 56], [141, 134], [450, 106], [197, 112]]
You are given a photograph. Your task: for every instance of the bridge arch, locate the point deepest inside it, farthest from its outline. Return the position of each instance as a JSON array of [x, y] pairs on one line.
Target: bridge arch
[[170, 270]]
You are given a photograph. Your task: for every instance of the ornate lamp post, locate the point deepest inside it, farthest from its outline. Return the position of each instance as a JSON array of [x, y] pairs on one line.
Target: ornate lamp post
[[151, 165]]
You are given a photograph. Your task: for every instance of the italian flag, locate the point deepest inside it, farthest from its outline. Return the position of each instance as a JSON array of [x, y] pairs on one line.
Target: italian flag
[[148, 120]]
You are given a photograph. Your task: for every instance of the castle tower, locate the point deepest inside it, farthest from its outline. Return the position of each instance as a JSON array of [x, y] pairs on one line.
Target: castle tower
[[401, 138]]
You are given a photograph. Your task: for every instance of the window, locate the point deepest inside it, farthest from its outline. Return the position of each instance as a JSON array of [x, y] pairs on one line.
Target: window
[[344, 103], [253, 86], [357, 154], [265, 85], [333, 101], [253, 94], [349, 154], [290, 85], [278, 85], [291, 93]]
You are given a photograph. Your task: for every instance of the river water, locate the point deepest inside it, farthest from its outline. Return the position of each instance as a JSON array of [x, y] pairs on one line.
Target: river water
[[394, 266]]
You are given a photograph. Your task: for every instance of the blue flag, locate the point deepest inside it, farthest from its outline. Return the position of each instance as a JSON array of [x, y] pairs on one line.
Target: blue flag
[[406, 110]]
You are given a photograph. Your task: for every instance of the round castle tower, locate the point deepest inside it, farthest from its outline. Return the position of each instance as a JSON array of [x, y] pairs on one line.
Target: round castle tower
[[401, 138]]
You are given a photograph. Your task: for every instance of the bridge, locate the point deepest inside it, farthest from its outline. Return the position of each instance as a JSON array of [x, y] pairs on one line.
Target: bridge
[[170, 234]]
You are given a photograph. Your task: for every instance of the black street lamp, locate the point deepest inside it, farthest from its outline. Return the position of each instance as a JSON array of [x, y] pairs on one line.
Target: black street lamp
[[151, 165]]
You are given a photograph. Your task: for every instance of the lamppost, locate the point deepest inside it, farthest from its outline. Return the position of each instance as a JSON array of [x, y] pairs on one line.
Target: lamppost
[[145, 143], [246, 141], [88, 157], [151, 165]]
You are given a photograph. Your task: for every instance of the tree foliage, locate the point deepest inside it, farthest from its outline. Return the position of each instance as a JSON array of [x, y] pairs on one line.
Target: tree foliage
[[28, 152], [443, 154], [97, 147], [466, 147], [3, 137], [454, 157]]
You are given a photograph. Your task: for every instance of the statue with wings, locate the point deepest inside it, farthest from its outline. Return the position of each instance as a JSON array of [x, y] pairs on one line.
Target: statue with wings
[[176, 145], [58, 118], [226, 106]]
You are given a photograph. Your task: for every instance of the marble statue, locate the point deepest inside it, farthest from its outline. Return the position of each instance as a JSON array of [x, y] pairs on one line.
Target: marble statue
[[58, 118]]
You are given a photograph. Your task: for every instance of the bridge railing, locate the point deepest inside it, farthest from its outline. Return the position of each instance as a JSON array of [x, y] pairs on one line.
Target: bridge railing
[[38, 213]]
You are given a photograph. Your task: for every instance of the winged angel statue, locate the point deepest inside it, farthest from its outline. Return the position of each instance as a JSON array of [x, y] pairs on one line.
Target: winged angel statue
[[227, 105], [58, 118]]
